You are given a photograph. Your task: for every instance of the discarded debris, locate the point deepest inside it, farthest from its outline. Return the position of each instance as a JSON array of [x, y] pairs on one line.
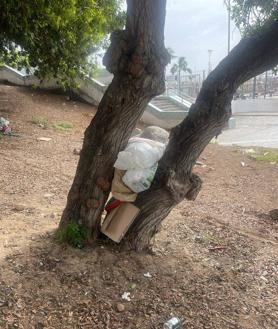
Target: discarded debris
[[48, 195], [173, 323], [4, 127], [44, 139], [147, 275], [243, 164], [199, 163], [126, 296]]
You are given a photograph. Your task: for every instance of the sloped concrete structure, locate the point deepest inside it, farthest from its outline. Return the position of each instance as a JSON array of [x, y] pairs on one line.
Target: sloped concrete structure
[[163, 111]]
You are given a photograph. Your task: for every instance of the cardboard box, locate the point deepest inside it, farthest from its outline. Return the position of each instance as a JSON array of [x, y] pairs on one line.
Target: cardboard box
[[117, 222]]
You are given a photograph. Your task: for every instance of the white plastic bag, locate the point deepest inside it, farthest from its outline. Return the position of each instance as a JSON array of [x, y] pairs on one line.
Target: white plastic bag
[[139, 180], [140, 153]]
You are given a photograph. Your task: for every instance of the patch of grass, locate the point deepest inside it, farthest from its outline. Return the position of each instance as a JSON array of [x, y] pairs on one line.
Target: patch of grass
[[40, 121], [63, 126], [74, 234], [262, 153], [209, 238], [214, 141]]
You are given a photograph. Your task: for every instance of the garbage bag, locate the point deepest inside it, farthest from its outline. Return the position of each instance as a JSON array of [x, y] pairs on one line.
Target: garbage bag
[[139, 180], [140, 153]]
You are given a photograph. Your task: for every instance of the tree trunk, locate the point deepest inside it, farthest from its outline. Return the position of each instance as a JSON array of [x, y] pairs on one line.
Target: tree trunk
[[137, 58], [174, 180]]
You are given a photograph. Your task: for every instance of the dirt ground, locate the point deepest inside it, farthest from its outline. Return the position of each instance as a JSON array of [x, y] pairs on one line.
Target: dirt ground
[[214, 263]]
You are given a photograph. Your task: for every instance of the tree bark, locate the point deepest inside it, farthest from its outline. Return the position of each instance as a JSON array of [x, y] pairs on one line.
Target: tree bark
[[137, 58], [174, 180]]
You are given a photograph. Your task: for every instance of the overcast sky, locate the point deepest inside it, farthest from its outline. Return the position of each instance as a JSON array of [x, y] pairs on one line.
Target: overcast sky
[[193, 27]]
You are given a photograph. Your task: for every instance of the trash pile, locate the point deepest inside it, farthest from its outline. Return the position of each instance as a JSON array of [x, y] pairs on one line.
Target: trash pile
[[5, 129], [135, 169], [136, 166], [139, 163]]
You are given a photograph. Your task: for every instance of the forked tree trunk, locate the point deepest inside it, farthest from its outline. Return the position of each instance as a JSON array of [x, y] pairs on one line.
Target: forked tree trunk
[[174, 180], [137, 58]]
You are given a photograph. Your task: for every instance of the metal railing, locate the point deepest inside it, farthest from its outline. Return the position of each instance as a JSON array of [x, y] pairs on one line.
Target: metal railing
[[184, 97]]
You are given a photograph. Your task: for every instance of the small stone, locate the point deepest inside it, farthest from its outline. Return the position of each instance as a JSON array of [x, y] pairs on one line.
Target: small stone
[[19, 207], [120, 307], [264, 279], [198, 238], [155, 133], [39, 325], [274, 214], [76, 151]]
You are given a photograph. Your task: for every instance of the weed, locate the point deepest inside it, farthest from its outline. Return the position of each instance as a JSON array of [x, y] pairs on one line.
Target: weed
[[74, 234], [213, 141], [63, 126], [209, 238], [270, 155], [262, 154], [40, 121]]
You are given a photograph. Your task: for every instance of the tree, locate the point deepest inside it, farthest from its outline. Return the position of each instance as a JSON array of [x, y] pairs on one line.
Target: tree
[[179, 67], [137, 58], [250, 15], [55, 37]]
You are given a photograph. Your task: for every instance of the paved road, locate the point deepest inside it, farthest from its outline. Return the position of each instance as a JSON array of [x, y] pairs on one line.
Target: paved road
[[256, 130]]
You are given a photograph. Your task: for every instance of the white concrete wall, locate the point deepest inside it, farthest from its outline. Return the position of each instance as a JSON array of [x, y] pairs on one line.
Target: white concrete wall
[[255, 105], [8, 74], [89, 89]]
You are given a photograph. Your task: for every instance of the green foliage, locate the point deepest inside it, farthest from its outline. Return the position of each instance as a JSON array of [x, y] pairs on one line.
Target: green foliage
[[40, 121], [250, 15], [259, 153], [264, 154], [63, 125], [74, 234], [56, 37]]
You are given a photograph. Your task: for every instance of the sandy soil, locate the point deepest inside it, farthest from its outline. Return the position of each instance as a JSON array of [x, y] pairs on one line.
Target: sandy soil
[[214, 263]]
